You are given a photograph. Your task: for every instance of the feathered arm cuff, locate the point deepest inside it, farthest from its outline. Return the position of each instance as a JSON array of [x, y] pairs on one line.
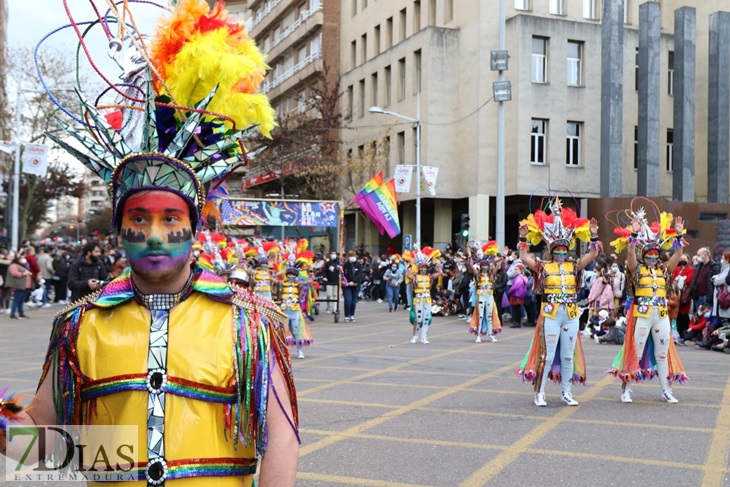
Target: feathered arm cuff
[[10, 412]]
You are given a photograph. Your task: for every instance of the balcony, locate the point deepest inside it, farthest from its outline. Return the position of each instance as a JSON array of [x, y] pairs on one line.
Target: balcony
[[263, 19], [282, 78]]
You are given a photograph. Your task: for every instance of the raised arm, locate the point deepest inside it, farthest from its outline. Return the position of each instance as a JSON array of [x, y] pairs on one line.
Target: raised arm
[[525, 256], [631, 262], [674, 259], [592, 253]]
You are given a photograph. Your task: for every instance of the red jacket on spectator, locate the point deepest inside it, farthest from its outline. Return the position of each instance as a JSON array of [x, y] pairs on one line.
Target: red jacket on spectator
[[698, 324], [688, 272]]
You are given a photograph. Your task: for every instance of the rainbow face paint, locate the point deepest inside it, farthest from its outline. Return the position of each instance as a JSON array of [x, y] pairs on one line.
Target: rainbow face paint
[[156, 232]]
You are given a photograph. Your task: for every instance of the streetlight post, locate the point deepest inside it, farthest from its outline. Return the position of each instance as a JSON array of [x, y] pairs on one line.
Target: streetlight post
[[16, 173], [417, 123]]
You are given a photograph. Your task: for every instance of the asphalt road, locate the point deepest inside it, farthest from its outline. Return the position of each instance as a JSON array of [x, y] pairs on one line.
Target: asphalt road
[[376, 410]]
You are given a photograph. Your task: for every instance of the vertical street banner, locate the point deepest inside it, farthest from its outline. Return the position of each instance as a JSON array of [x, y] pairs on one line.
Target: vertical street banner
[[35, 159], [8, 146], [430, 174], [402, 178]]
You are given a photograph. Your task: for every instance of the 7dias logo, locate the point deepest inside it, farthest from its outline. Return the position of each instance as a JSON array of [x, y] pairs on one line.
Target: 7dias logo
[[66, 453]]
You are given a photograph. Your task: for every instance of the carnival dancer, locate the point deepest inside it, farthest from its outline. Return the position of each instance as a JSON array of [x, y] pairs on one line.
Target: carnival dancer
[[265, 253], [555, 351], [420, 312], [213, 390], [648, 349], [484, 319], [308, 294], [290, 300]]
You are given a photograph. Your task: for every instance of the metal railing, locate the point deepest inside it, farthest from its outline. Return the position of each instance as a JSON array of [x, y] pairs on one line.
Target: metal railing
[[303, 16], [279, 79]]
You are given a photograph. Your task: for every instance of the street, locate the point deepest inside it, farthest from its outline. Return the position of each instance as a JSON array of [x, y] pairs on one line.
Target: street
[[376, 410]]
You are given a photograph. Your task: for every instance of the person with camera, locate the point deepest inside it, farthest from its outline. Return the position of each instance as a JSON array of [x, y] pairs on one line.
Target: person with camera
[[87, 273], [720, 308]]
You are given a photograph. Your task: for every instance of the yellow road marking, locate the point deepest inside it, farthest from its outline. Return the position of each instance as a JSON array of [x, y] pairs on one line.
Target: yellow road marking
[[337, 479], [511, 453], [720, 444]]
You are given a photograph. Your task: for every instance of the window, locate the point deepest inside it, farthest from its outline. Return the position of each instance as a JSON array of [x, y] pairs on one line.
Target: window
[[361, 99], [354, 7], [539, 141], [432, 12], [376, 39], [522, 4], [386, 154], [315, 45], [302, 54], [350, 102], [364, 47], [417, 71], [416, 15], [670, 78], [448, 10], [374, 88], [575, 63], [589, 10], [670, 150], [389, 33], [557, 7], [401, 148], [353, 53], [539, 60], [402, 26], [572, 149], [636, 71], [364, 4], [402, 78], [388, 83], [636, 146], [627, 11]]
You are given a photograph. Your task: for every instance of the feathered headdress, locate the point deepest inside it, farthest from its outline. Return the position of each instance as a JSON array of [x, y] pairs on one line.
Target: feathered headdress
[[197, 95], [426, 255], [560, 228], [218, 254], [657, 235], [297, 256], [486, 252]]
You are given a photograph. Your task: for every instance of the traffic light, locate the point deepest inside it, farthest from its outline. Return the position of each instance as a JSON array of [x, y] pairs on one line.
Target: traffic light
[[465, 225]]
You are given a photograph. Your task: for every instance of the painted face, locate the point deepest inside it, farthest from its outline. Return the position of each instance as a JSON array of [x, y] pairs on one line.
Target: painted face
[[560, 254], [651, 258], [156, 234]]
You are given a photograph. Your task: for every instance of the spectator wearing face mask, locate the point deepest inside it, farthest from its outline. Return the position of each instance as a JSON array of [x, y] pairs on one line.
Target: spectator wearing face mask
[[719, 281], [618, 283], [702, 289], [682, 281], [352, 275], [697, 325], [331, 279], [393, 278], [87, 273]]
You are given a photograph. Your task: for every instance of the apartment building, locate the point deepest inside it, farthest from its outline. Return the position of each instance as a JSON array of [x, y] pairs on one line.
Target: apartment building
[[436, 53]]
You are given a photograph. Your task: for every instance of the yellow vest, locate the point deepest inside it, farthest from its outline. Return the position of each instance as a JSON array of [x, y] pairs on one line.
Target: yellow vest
[[290, 295], [560, 287], [262, 280], [421, 289], [200, 338], [650, 289], [484, 284]]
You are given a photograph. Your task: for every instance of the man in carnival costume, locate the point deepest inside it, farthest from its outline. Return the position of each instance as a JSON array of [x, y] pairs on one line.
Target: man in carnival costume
[[263, 253], [291, 290], [555, 351], [648, 349], [420, 312], [168, 347], [484, 319]]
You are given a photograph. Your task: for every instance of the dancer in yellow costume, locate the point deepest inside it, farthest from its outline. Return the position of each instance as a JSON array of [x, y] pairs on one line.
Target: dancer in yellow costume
[[648, 350], [420, 312], [485, 318], [556, 352], [291, 296], [202, 372]]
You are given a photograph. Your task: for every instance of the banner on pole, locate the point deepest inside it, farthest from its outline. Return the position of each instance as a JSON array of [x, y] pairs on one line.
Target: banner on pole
[[430, 174], [35, 159], [276, 213], [8, 146], [403, 176]]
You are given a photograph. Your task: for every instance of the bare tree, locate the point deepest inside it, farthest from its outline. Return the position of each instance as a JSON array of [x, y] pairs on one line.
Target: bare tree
[[37, 194]]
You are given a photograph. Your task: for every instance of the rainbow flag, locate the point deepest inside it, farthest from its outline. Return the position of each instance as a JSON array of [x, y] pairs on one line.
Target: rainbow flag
[[378, 201]]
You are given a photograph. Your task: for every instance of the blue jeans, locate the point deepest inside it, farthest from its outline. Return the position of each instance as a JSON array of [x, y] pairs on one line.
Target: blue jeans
[[409, 294], [560, 332], [47, 287], [392, 293], [19, 296], [350, 293]]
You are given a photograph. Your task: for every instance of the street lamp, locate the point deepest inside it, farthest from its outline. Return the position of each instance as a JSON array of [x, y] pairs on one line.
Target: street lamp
[[417, 123]]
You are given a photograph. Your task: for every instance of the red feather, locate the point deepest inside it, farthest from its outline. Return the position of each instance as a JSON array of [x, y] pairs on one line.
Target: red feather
[[622, 232]]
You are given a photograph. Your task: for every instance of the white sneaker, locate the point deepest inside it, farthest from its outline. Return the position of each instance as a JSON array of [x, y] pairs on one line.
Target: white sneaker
[[347, 319], [414, 339], [47, 305], [352, 318], [479, 339], [585, 332], [568, 400], [626, 396], [301, 354], [425, 341], [328, 311], [6, 312], [380, 300], [667, 396], [598, 341], [540, 399], [492, 339]]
